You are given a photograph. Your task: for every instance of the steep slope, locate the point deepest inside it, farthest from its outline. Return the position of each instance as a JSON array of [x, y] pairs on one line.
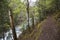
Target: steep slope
[[46, 30]]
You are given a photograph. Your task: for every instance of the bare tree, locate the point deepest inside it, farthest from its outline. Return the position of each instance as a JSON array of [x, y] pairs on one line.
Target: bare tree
[[12, 25], [28, 12]]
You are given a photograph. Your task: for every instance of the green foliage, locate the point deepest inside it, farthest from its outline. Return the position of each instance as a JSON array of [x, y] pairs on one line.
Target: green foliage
[[18, 8], [44, 6], [4, 18]]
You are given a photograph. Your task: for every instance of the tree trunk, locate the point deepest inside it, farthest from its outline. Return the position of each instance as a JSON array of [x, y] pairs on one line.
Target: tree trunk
[[3, 36], [28, 12], [33, 22], [12, 25]]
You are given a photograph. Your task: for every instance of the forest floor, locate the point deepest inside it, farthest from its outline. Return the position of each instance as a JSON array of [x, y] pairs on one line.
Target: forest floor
[[46, 30]]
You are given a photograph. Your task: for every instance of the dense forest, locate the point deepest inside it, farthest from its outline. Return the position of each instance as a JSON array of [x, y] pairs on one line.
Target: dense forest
[[29, 19]]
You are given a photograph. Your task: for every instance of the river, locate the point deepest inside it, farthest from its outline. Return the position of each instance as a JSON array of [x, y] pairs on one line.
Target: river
[[8, 35]]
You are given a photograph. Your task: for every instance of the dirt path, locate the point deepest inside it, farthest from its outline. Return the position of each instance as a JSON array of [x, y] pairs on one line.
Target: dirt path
[[46, 30], [49, 30]]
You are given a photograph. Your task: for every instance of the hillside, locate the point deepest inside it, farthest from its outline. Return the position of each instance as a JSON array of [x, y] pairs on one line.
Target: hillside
[[46, 30]]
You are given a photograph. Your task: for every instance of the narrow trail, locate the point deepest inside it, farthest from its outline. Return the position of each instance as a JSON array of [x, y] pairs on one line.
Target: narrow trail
[[46, 30], [49, 30]]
